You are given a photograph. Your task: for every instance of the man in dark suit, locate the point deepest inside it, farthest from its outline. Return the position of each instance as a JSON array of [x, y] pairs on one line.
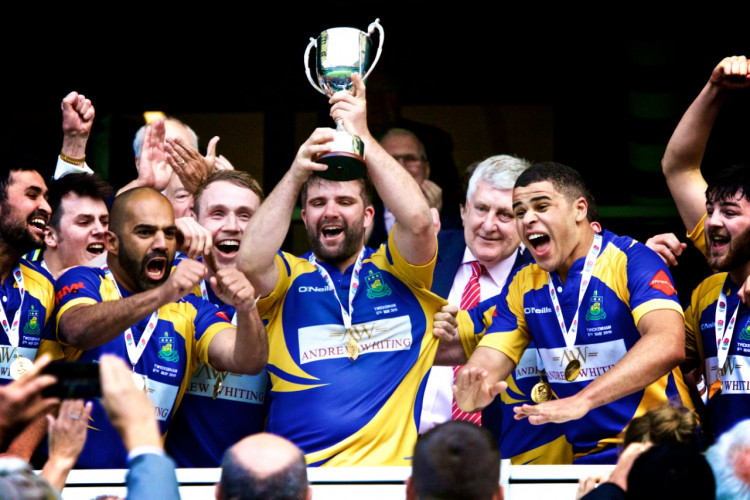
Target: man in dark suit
[[487, 250]]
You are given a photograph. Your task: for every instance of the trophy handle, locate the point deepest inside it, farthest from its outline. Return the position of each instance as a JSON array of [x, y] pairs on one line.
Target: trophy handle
[[310, 45], [370, 30]]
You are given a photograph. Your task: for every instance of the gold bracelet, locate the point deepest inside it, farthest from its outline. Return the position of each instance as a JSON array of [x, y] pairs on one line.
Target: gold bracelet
[[71, 160]]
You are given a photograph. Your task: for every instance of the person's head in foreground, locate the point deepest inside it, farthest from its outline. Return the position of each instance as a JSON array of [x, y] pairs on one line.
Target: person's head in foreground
[[263, 467], [456, 459]]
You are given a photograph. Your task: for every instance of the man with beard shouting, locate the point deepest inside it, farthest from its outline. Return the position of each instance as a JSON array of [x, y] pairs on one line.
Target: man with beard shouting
[[350, 337], [135, 308]]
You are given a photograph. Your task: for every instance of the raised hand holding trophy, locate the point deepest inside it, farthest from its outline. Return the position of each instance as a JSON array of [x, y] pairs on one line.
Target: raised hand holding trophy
[[341, 52]]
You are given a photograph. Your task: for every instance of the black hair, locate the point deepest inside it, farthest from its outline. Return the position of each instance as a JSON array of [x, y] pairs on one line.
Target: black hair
[[565, 180], [82, 184], [456, 459]]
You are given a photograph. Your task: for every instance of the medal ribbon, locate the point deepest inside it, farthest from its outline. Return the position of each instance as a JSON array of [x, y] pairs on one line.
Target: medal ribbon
[[353, 285], [135, 351], [723, 330], [12, 330], [588, 272]]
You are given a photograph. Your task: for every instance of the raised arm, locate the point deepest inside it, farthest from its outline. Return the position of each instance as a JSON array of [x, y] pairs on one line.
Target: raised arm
[[131, 413], [85, 326], [660, 348], [77, 119], [414, 234], [267, 229], [684, 153]]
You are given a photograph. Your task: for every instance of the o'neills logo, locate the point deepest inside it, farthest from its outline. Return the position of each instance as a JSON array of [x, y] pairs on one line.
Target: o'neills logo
[[307, 289], [321, 342], [537, 310]]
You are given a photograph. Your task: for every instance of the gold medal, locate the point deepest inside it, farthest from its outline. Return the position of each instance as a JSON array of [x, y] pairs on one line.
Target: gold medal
[[20, 366], [572, 370], [714, 389], [217, 387], [541, 392], [352, 349]]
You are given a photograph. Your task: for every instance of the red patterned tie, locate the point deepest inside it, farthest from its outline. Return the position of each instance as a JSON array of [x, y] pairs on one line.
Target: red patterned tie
[[469, 300]]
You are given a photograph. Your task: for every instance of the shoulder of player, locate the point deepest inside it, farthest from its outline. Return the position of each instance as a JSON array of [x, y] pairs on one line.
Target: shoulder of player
[[528, 276], [77, 274], [33, 271], [710, 287]]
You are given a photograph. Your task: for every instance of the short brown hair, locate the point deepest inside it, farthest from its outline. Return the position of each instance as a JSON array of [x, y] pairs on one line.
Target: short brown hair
[[664, 424], [236, 177]]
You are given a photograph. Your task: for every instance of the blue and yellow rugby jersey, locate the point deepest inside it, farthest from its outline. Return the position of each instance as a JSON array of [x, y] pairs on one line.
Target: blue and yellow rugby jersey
[[203, 427], [183, 332], [36, 330], [520, 441], [342, 412], [732, 403], [629, 281]]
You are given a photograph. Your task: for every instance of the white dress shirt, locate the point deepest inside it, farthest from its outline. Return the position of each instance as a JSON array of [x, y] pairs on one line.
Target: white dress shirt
[[438, 394]]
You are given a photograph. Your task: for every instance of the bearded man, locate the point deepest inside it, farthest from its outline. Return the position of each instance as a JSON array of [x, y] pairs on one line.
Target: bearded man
[[349, 328]]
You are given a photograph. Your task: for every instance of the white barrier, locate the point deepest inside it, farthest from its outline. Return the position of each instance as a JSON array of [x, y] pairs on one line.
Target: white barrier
[[526, 482]]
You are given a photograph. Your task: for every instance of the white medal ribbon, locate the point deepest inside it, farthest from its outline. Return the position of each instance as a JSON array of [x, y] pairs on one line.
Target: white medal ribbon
[[11, 330], [204, 290], [723, 330], [353, 285], [588, 271], [135, 351]]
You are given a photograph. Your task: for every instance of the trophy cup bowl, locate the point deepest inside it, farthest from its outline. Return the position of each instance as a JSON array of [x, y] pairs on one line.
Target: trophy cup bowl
[[339, 53]]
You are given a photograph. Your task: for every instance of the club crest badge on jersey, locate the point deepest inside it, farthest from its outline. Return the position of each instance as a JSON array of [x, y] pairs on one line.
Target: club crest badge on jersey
[[32, 322], [376, 286], [744, 334], [596, 310], [167, 351]]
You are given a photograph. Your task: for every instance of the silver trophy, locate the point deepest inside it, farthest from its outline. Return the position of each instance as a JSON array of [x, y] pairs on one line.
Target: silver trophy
[[341, 52]]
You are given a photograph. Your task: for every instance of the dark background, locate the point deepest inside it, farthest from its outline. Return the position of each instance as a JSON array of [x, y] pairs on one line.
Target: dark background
[[592, 69]]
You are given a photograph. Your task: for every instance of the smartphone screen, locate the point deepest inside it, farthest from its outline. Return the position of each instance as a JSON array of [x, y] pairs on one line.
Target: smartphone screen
[[74, 380]]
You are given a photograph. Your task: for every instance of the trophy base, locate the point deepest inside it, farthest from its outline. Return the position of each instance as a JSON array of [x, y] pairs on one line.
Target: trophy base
[[342, 166]]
